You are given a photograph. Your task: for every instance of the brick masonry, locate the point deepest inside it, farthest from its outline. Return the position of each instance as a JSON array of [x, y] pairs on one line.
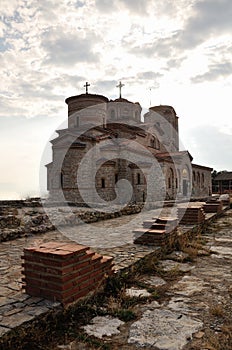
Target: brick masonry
[[64, 272], [158, 232], [191, 215]]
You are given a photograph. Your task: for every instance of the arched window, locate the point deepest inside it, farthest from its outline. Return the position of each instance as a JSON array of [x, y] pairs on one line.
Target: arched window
[[138, 179], [198, 179], [194, 176], [171, 178], [61, 180], [103, 185]]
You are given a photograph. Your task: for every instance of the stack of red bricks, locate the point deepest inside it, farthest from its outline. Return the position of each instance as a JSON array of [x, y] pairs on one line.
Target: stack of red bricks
[[64, 272], [191, 215], [157, 231], [213, 207]]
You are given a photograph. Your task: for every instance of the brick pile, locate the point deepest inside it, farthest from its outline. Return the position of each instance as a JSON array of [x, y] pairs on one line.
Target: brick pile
[[63, 272], [191, 215], [213, 207], [157, 232]]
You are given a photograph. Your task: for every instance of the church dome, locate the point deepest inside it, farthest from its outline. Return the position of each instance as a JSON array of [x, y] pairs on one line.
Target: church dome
[[120, 99], [78, 102]]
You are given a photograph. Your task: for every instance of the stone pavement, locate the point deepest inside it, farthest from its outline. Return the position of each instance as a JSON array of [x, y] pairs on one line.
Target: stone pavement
[[113, 237], [195, 308]]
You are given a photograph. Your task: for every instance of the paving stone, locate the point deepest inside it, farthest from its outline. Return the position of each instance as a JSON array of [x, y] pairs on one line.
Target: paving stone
[[32, 300], [12, 312], [4, 301], [165, 329], [222, 251], [36, 310], [188, 285], [4, 291], [103, 326], [135, 292], [16, 320], [154, 281], [169, 265], [3, 330], [178, 256]]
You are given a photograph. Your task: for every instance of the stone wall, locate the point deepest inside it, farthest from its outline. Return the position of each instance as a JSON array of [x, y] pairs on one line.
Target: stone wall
[[35, 220], [201, 181]]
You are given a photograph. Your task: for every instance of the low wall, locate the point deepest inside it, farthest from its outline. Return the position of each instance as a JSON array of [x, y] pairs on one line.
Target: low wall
[[15, 222]]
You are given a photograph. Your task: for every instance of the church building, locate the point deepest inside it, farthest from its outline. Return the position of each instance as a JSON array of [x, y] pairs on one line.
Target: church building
[[107, 141]]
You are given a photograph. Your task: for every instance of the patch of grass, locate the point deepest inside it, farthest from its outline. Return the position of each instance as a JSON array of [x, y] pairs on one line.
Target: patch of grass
[[126, 315], [155, 294], [219, 341], [149, 265], [91, 341], [217, 310]]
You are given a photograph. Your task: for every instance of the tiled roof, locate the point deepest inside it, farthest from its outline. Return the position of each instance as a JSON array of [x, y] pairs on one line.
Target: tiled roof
[[224, 176]]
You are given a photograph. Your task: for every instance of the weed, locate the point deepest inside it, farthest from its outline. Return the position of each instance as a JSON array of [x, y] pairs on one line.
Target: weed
[[217, 310], [126, 315]]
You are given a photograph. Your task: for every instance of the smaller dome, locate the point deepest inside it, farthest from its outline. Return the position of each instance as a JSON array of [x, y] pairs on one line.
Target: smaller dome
[[120, 99]]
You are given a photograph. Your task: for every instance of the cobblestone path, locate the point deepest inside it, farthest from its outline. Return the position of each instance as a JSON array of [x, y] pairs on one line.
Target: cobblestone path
[[115, 234]]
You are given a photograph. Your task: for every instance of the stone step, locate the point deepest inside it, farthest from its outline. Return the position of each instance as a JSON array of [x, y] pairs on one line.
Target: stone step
[[153, 224], [165, 220]]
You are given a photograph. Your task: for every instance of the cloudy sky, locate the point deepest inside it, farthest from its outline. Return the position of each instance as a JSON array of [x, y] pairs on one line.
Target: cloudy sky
[[164, 51]]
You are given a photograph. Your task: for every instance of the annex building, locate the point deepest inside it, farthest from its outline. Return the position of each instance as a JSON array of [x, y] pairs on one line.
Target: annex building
[[110, 140]]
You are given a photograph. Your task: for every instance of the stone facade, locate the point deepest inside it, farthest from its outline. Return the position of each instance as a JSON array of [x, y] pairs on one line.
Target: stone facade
[[107, 141]]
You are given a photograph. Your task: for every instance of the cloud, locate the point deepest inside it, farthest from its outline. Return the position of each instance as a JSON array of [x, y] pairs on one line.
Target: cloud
[[4, 46], [158, 47], [149, 75], [216, 71], [207, 144], [135, 6], [65, 48], [104, 86], [210, 18], [105, 5]]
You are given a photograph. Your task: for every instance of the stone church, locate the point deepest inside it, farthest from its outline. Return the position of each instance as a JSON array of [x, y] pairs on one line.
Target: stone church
[[108, 141]]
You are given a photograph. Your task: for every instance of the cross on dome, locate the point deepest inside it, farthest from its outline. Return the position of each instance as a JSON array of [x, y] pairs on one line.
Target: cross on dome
[[86, 87], [120, 85]]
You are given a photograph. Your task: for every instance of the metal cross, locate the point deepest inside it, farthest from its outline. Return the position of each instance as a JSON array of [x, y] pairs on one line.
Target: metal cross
[[120, 85], [86, 87]]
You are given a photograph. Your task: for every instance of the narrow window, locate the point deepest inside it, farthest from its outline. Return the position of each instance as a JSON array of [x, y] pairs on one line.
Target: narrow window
[[169, 182], [115, 178], [61, 180], [103, 185], [202, 180], [176, 182], [194, 176], [138, 179]]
